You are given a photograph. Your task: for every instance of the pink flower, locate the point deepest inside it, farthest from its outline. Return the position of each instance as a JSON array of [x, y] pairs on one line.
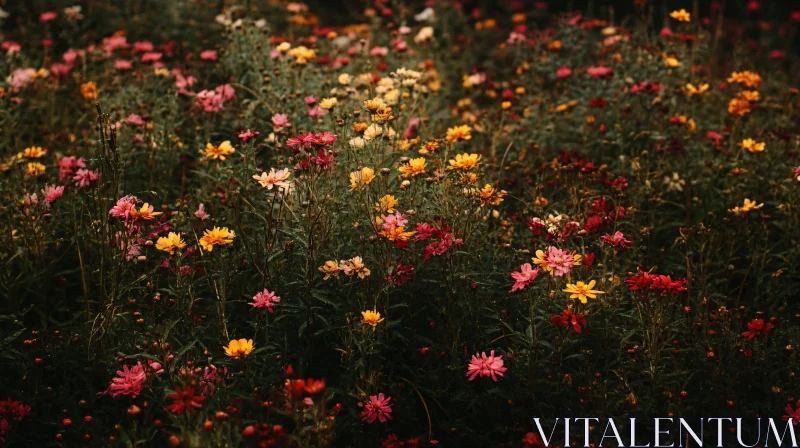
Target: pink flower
[[11, 47], [30, 199], [122, 64], [316, 112], [560, 261], [209, 55], [209, 101], [797, 174], [310, 100], [377, 408], [184, 83], [227, 91], [618, 241], [713, 136], [524, 277], [793, 414], [281, 121], [666, 32], [151, 57], [47, 16], [599, 72], [563, 72], [411, 128], [123, 207], [247, 135], [392, 222], [265, 299], [201, 213], [115, 43], [379, 51], [129, 381], [84, 177], [66, 166], [20, 78], [135, 120], [70, 56], [52, 192], [143, 46], [491, 366], [60, 70]]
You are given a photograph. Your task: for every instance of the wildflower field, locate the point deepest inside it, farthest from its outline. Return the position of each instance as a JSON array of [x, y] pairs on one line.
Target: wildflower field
[[394, 224]]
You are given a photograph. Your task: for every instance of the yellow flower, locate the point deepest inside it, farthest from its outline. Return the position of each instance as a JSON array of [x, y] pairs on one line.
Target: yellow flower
[[465, 161], [672, 62], [541, 261], [372, 318], [582, 291], [489, 195], [413, 168], [145, 212], [386, 204], [34, 169], [359, 127], [746, 208], [216, 237], [397, 233], [330, 269], [221, 152], [429, 147], [34, 152], [170, 243], [361, 178], [328, 103], [749, 95], [374, 104], [738, 107], [691, 90], [681, 15], [89, 90], [239, 348], [274, 179], [748, 78], [752, 145], [301, 54], [457, 133]]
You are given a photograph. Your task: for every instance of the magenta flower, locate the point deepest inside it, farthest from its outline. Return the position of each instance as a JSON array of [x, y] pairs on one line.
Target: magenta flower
[[265, 299], [491, 366], [209, 55], [123, 207], [563, 72], [377, 408], [247, 135], [617, 240], [129, 381], [524, 277], [599, 72]]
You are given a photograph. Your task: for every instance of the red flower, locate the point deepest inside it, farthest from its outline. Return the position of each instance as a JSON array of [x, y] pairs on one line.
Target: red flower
[[531, 440], [567, 317], [184, 399], [756, 327]]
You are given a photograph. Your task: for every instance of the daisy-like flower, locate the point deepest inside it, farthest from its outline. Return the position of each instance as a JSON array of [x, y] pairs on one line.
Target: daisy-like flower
[[691, 90], [239, 348], [739, 107], [464, 162], [377, 408], [145, 212], [216, 237], [34, 152], [748, 207], [793, 414], [582, 291], [221, 152], [89, 90], [128, 382], [265, 299], [386, 204], [752, 146], [361, 178], [748, 78], [330, 269], [185, 400], [170, 243], [371, 317], [524, 277], [354, 266], [459, 133], [483, 366], [489, 195], [681, 15], [35, 169], [201, 213], [52, 192], [274, 179], [560, 262], [414, 167]]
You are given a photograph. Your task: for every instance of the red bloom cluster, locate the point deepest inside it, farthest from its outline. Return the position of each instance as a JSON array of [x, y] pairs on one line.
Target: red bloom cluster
[[185, 400], [757, 327], [441, 232], [660, 284], [400, 274]]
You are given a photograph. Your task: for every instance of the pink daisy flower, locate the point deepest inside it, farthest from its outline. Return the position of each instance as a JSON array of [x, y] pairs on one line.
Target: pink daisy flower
[[524, 277], [491, 366], [377, 408], [265, 299], [560, 261], [129, 381]]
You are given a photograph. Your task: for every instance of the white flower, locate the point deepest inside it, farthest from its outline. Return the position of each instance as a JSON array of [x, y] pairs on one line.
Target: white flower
[[425, 16], [357, 142], [426, 33]]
